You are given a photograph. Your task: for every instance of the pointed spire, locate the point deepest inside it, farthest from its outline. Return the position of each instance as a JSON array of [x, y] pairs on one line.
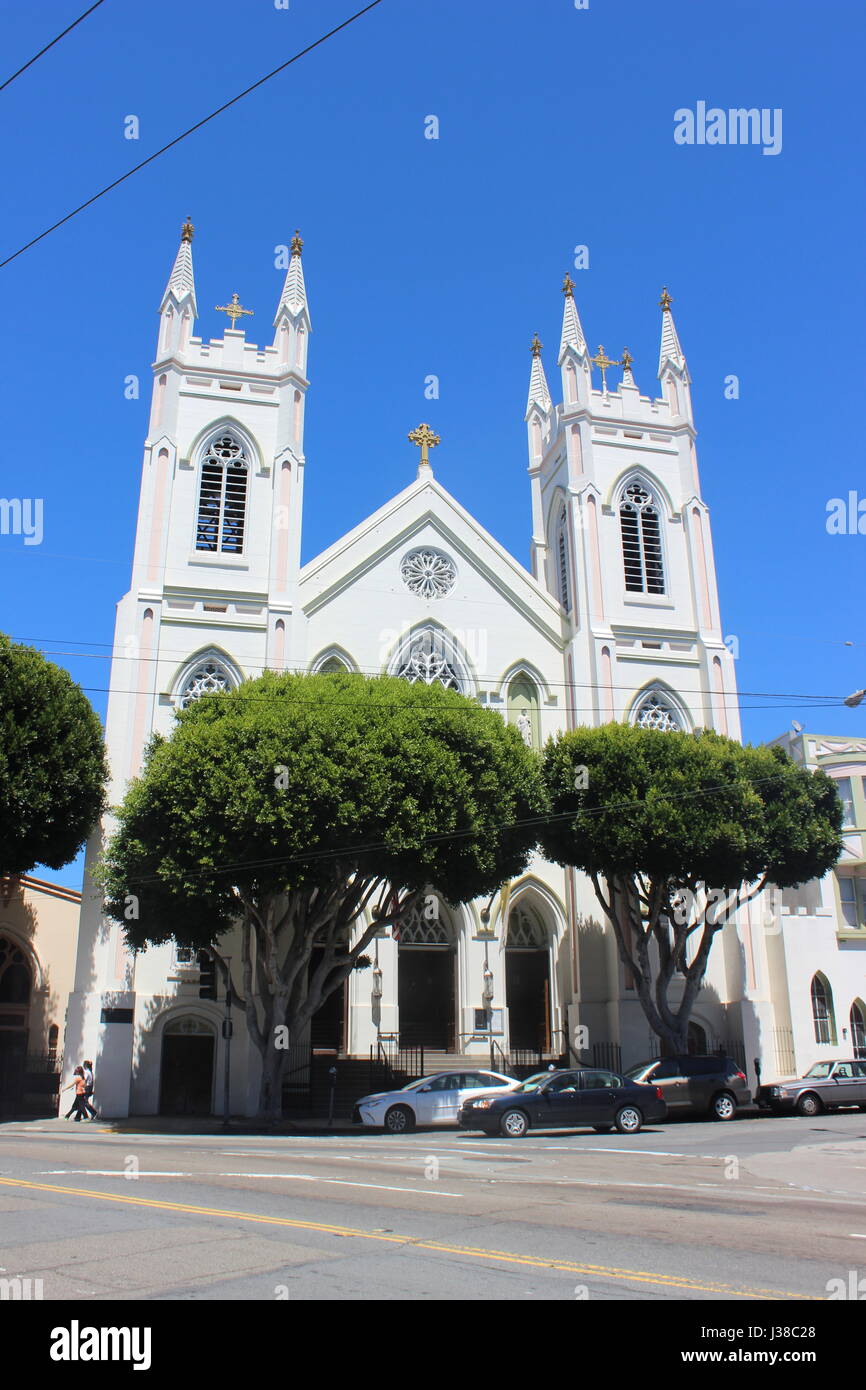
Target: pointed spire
[[181, 282], [539, 393], [293, 300], [572, 331], [626, 362], [671, 353]]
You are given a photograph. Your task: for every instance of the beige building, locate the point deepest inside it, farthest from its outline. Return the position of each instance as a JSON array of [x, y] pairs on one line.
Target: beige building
[[38, 937]]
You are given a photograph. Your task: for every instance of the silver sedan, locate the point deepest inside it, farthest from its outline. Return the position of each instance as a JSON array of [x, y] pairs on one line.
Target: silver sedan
[[434, 1100]]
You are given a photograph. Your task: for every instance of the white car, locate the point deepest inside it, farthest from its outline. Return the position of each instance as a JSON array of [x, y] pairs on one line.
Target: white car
[[434, 1100]]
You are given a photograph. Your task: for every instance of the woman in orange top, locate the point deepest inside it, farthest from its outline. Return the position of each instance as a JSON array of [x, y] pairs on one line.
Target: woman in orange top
[[79, 1105]]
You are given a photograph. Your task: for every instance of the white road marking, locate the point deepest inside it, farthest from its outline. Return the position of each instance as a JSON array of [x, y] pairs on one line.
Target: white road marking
[[294, 1177], [106, 1173], [855, 1235]]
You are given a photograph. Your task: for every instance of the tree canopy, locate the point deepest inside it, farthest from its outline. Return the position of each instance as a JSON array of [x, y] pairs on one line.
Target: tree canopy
[[52, 762], [294, 804], [675, 831]]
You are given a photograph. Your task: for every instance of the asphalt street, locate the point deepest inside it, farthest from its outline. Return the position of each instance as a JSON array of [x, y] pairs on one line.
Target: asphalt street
[[761, 1208]]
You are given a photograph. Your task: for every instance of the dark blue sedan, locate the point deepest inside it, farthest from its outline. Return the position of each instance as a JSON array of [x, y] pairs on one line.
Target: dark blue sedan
[[566, 1100]]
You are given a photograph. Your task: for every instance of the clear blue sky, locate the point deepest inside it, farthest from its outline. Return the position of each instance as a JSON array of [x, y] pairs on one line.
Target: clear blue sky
[[444, 257]]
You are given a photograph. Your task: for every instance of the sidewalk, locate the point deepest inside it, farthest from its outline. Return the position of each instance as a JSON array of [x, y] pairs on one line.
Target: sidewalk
[[165, 1124]]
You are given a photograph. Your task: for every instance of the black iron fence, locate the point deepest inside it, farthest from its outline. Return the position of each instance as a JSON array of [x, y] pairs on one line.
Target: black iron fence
[[29, 1084], [397, 1060]]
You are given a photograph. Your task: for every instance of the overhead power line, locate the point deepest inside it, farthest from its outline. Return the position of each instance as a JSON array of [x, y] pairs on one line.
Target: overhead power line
[[184, 134], [62, 35]]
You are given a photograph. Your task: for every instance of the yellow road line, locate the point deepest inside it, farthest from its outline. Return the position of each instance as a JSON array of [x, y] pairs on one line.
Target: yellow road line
[[470, 1252]]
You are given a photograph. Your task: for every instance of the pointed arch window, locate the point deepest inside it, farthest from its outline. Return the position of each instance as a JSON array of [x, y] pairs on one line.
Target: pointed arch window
[[525, 931], [857, 1020], [562, 561], [208, 678], [655, 712], [15, 979], [429, 656], [822, 1010], [222, 501], [640, 524]]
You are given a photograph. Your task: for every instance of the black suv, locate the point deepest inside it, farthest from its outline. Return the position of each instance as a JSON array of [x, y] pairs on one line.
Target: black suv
[[696, 1085]]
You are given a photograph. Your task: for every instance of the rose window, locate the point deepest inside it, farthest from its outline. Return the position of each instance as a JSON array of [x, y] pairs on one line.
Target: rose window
[[428, 573]]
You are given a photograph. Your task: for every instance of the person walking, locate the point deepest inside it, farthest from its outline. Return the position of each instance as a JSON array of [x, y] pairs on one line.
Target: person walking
[[78, 1107], [87, 1068]]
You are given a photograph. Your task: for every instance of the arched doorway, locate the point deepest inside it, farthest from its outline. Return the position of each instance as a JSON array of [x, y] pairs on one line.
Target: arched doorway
[[15, 986], [186, 1073], [697, 1039], [857, 1019], [527, 980], [426, 965], [328, 1024]]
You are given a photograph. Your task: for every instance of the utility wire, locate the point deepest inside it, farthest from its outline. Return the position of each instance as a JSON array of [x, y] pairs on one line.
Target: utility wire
[[198, 125], [60, 36]]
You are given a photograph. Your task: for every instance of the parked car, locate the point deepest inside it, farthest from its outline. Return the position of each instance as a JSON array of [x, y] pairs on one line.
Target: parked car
[[826, 1086], [434, 1100], [566, 1099], [696, 1085]]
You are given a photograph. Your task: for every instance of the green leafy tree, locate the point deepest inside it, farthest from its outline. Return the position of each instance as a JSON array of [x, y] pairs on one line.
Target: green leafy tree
[[52, 762], [296, 804], [676, 832]]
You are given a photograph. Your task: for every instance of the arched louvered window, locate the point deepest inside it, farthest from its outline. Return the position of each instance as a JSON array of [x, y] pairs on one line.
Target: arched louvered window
[[562, 561], [641, 541], [822, 1010], [222, 502]]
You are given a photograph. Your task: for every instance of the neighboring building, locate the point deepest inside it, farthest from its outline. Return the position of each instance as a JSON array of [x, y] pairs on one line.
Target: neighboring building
[[38, 935], [618, 619], [818, 955]]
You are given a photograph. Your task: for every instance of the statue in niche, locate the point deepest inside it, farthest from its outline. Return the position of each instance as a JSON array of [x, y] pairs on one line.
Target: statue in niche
[[524, 727]]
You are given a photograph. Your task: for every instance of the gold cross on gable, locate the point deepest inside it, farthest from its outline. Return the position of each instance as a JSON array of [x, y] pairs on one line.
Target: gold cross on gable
[[603, 362], [234, 310], [424, 437]]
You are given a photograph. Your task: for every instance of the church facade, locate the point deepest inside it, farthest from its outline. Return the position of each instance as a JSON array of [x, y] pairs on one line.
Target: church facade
[[617, 619]]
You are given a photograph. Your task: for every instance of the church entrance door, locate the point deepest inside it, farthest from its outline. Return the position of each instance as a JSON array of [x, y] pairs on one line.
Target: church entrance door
[[427, 977], [186, 1081], [327, 1026], [528, 993], [425, 997], [527, 980]]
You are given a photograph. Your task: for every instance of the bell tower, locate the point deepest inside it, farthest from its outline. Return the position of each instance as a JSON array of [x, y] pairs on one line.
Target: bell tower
[[621, 537]]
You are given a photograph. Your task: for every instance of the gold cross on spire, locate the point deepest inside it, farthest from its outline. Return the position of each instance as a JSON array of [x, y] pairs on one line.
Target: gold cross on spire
[[665, 302], [297, 244], [234, 310], [424, 437], [568, 286], [626, 360], [187, 230], [536, 346], [603, 362]]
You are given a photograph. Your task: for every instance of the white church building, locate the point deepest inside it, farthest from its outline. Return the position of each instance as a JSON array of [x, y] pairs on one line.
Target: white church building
[[617, 619]]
